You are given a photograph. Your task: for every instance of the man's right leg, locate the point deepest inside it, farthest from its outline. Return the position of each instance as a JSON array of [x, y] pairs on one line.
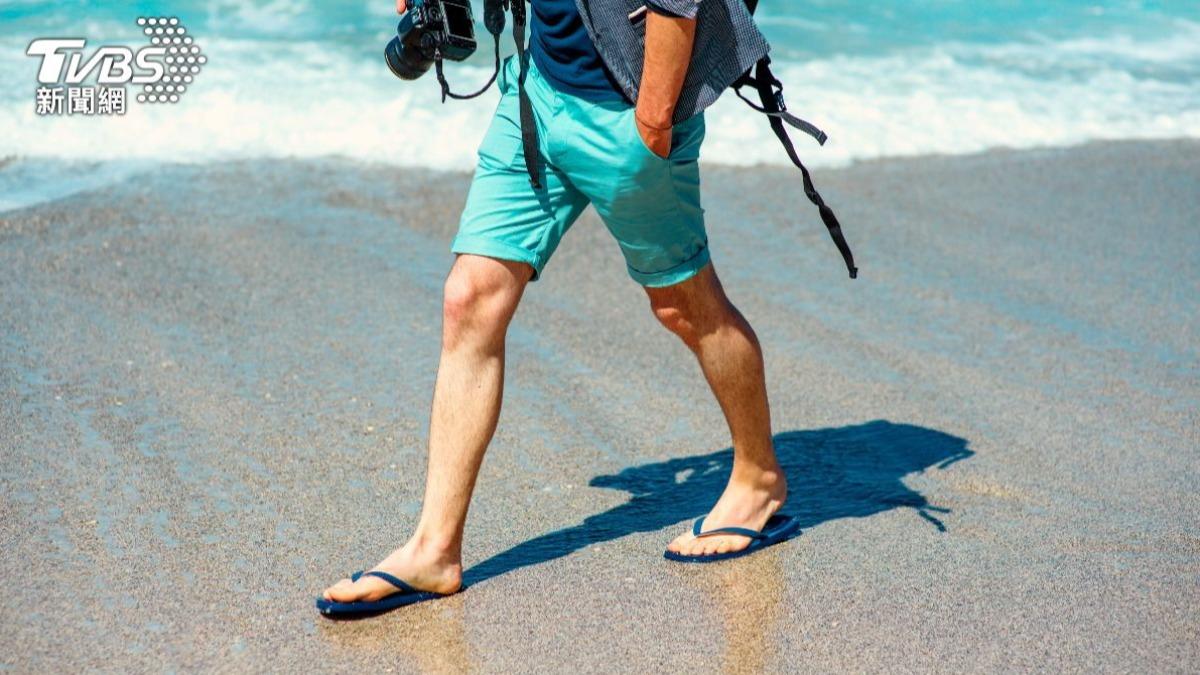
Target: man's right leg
[[481, 296]]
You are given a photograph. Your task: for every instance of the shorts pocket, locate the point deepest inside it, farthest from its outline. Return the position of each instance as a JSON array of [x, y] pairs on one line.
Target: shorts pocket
[[686, 137], [507, 77], [641, 142]]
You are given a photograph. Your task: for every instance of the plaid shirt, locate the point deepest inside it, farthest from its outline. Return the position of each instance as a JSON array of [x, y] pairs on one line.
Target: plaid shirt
[[727, 45]]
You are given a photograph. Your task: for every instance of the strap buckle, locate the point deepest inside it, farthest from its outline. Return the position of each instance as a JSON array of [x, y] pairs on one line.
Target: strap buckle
[[778, 94]]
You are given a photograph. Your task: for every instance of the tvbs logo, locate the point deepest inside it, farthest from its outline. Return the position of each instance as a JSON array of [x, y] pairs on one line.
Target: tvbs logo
[[164, 69]]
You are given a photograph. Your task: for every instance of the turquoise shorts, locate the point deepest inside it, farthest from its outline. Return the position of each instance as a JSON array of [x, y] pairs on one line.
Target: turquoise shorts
[[590, 152]]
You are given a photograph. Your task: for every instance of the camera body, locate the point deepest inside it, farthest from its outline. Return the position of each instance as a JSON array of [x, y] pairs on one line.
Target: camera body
[[430, 29]]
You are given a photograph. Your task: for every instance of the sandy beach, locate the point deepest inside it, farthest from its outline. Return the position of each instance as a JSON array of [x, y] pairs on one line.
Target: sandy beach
[[214, 391]]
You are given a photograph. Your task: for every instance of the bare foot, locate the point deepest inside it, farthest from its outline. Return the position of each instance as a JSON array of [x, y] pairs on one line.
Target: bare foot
[[422, 567], [748, 501]]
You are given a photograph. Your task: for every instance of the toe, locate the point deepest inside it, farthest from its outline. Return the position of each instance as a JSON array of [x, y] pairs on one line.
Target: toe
[[343, 591], [687, 544], [329, 592], [680, 544]]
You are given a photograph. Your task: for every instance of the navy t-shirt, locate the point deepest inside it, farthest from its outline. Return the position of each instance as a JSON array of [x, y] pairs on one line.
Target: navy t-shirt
[[560, 46]]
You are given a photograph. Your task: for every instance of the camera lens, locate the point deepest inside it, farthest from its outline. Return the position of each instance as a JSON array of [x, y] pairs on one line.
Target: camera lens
[[405, 63]]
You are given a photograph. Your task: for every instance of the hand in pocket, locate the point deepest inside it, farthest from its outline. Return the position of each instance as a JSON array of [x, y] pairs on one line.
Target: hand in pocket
[[657, 140]]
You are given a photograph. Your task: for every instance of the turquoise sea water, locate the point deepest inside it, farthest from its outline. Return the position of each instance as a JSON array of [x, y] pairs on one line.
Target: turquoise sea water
[[300, 77], [798, 29]]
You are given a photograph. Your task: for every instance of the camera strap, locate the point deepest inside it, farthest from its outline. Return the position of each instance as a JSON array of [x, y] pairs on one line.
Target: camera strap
[[494, 21], [441, 77]]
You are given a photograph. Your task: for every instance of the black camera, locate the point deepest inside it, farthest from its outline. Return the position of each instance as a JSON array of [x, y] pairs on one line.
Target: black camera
[[429, 30]]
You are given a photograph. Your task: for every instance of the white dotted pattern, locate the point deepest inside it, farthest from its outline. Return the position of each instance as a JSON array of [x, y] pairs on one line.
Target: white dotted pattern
[[182, 62]]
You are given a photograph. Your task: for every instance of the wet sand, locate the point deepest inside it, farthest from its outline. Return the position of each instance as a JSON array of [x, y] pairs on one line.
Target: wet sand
[[214, 388]]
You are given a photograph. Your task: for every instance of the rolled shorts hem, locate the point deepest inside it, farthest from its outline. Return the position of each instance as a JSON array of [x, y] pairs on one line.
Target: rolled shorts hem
[[477, 245], [674, 275]]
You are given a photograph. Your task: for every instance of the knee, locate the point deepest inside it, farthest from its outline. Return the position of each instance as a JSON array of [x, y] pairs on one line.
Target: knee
[[694, 317], [680, 317], [460, 296], [472, 307]]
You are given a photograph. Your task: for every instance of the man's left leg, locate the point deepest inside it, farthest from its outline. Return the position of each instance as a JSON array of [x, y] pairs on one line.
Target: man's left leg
[[698, 311], [651, 205]]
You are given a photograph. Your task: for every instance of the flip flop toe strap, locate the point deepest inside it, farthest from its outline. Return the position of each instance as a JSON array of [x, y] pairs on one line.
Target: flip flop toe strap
[[395, 581], [743, 531]]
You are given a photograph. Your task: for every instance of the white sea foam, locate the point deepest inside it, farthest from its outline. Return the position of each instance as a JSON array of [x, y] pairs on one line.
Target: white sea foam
[[307, 99], [29, 181]]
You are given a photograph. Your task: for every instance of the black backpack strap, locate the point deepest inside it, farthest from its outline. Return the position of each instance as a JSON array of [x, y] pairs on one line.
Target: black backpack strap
[[770, 93], [528, 125], [803, 125]]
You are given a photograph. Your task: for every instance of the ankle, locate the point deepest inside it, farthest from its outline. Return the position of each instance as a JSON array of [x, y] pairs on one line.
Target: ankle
[[769, 479], [437, 547]]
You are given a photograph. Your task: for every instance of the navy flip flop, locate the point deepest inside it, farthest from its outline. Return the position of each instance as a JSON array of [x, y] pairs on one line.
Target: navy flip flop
[[778, 528], [405, 595]]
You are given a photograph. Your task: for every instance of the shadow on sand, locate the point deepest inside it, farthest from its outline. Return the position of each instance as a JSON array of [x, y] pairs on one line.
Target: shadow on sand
[[848, 472]]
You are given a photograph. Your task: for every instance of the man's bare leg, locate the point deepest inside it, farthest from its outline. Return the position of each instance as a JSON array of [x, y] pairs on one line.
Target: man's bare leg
[[481, 296], [699, 313]]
